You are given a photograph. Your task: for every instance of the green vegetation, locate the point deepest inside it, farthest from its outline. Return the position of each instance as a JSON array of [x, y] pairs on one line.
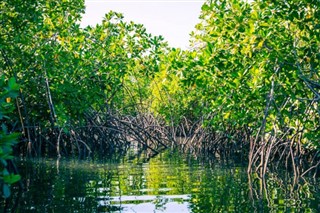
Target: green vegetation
[[260, 65], [249, 83], [7, 139]]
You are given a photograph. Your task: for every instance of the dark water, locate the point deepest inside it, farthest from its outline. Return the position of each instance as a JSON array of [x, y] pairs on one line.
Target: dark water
[[169, 182]]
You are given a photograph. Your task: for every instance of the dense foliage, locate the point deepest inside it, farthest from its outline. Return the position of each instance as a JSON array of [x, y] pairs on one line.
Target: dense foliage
[[65, 71], [260, 64], [262, 60], [8, 91], [252, 69]]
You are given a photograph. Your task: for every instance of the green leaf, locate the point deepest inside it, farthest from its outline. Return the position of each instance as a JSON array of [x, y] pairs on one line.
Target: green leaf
[[6, 190], [205, 7], [4, 128], [209, 48], [12, 84], [10, 179]]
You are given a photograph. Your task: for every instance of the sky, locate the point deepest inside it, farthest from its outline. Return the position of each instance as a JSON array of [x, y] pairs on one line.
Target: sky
[[173, 19]]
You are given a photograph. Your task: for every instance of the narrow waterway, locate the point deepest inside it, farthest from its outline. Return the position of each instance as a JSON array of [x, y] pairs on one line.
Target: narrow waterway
[[168, 182]]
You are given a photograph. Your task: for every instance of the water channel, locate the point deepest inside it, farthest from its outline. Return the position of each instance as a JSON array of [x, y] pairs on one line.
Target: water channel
[[169, 182]]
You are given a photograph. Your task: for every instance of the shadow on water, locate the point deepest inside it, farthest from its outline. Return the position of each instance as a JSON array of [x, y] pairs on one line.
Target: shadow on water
[[167, 182]]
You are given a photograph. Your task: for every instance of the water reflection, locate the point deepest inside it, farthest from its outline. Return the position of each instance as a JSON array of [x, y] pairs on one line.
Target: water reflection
[[169, 182]]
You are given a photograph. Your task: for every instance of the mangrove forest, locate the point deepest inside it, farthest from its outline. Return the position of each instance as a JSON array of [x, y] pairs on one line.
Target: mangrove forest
[[235, 114]]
